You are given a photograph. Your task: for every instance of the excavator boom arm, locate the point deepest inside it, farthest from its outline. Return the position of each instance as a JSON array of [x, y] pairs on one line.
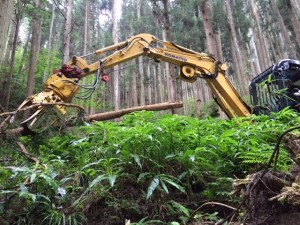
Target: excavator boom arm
[[63, 85], [192, 65]]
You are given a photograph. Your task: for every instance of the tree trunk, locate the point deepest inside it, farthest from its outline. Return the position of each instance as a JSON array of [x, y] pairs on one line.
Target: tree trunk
[[46, 71], [209, 34], [197, 100], [294, 19], [155, 84], [170, 69], [288, 46], [67, 32], [262, 53], [148, 85], [86, 21], [116, 68], [134, 88], [10, 41], [236, 52], [24, 53], [140, 60], [12, 63], [219, 45], [35, 48], [160, 80], [6, 12], [296, 5]]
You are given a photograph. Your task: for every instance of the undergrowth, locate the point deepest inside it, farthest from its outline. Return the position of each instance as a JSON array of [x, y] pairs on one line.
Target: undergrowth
[[149, 168]]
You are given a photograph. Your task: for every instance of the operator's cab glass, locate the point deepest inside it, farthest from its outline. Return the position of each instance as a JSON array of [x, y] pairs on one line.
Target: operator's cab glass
[[269, 91]]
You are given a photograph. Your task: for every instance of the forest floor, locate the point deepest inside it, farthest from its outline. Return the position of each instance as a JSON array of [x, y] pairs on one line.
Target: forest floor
[[268, 198]]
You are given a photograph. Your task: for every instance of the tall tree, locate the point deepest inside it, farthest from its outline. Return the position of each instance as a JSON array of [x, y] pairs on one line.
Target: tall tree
[[17, 21], [162, 14], [140, 59], [6, 12], [116, 68], [295, 19], [49, 44], [35, 46], [209, 33], [235, 49], [259, 35], [288, 46], [67, 32]]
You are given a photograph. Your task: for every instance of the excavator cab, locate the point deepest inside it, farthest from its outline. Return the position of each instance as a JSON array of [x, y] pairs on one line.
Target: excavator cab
[[276, 88]]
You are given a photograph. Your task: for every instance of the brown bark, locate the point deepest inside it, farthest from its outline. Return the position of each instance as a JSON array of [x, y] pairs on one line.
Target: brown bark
[[116, 68], [155, 84], [134, 89], [236, 51], [67, 32], [209, 34], [140, 61], [219, 45], [294, 19], [162, 14], [285, 34], [170, 69], [6, 12], [46, 71], [148, 85], [197, 99], [10, 42], [35, 48], [160, 80], [119, 113], [11, 70], [262, 53]]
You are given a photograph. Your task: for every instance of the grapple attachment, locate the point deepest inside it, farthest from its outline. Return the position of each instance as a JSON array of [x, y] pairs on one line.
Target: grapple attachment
[[60, 88], [35, 106]]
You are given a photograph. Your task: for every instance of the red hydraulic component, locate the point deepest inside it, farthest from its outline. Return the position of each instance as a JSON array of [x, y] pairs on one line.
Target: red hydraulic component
[[69, 71], [105, 77]]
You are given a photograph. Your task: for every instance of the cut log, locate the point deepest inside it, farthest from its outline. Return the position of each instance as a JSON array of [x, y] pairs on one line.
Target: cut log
[[122, 112]]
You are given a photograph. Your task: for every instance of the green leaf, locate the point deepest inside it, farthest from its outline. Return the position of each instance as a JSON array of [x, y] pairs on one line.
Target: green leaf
[[112, 179], [28, 195], [181, 208], [175, 223], [171, 182], [97, 180], [137, 160], [153, 185], [164, 186], [32, 177], [7, 192], [142, 176]]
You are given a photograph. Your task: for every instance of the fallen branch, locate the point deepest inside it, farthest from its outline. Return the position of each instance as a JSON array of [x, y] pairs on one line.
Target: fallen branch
[[41, 104], [21, 131], [4, 122], [24, 151]]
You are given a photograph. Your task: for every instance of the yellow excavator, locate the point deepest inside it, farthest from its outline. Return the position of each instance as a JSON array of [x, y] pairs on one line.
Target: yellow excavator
[[265, 92]]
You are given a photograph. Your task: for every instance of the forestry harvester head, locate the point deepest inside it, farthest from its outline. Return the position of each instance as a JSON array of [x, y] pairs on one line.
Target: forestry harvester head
[[59, 90]]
